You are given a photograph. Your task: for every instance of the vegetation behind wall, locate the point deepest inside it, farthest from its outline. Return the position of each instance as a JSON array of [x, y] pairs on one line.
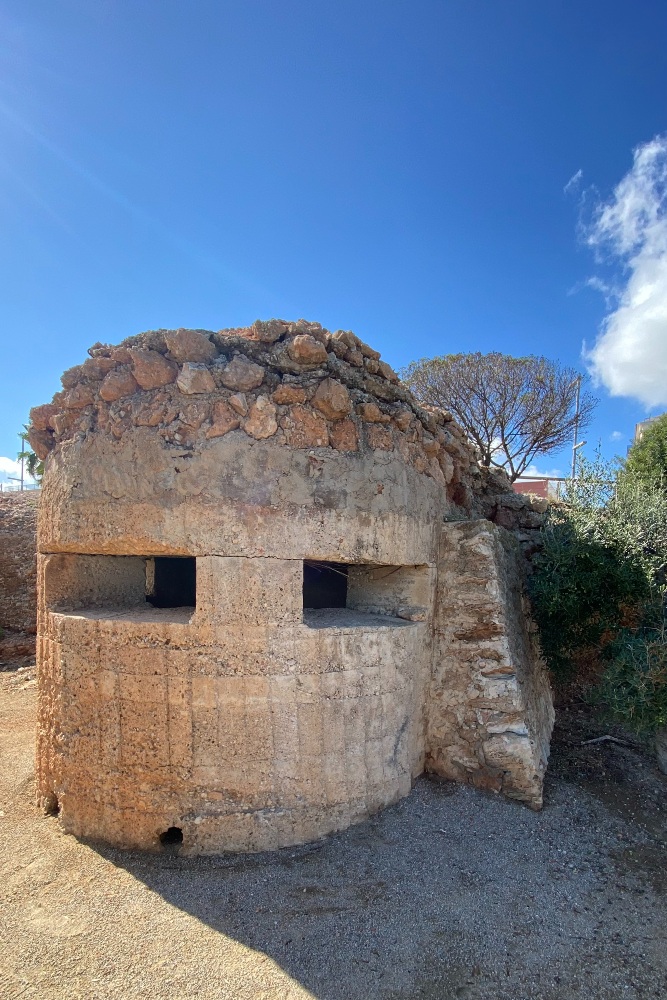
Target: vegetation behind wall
[[599, 592]]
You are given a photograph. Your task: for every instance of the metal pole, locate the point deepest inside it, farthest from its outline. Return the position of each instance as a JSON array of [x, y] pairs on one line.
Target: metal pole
[[576, 428]]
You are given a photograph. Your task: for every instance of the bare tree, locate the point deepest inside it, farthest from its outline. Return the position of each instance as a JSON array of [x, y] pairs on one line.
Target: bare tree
[[514, 409]]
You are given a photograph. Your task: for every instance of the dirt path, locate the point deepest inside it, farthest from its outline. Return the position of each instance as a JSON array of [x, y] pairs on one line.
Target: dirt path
[[452, 893]]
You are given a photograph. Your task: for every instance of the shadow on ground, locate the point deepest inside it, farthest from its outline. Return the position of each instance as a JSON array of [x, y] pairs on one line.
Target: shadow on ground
[[454, 893]]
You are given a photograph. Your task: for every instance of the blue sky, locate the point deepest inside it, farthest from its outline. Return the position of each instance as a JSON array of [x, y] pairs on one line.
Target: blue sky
[[394, 168]]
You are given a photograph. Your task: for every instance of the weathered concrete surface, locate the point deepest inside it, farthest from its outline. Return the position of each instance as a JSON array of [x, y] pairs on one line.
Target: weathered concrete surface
[[246, 739], [236, 497], [489, 709], [450, 893], [242, 721]]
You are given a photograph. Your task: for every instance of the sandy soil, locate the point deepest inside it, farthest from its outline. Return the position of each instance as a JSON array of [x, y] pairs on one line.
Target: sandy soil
[[452, 893]]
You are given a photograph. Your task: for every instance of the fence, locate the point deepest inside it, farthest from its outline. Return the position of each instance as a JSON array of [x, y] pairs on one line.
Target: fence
[[18, 487]]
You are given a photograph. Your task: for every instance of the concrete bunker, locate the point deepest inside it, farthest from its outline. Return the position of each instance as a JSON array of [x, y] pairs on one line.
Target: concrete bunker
[[294, 608]]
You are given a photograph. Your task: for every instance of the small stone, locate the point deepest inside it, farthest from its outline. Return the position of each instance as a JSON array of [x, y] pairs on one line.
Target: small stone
[[487, 781], [507, 751], [338, 348], [154, 409], [387, 371], [195, 378], [304, 428], [194, 414], [430, 445], [368, 352], [332, 399], [97, 368], [371, 366], [343, 436], [286, 394], [378, 436], [419, 460], [224, 420], [189, 345], [316, 330], [63, 422], [71, 377], [239, 403], [504, 519], [151, 369], [403, 419], [372, 413], [99, 350], [355, 358], [306, 350], [242, 374], [412, 613], [41, 441], [267, 331], [261, 422], [346, 337], [120, 355], [435, 472], [117, 384], [41, 416], [514, 501], [78, 397], [429, 419]]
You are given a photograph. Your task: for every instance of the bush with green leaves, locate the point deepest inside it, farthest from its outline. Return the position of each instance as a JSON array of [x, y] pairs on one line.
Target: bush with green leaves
[[634, 684], [647, 458], [599, 588], [34, 466], [582, 588]]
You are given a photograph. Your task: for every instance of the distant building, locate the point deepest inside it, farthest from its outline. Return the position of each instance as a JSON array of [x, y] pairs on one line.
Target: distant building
[[535, 487], [643, 426]]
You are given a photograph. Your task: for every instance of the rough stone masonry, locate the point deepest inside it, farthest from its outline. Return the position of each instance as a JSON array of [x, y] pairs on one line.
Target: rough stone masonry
[[271, 593], [18, 574]]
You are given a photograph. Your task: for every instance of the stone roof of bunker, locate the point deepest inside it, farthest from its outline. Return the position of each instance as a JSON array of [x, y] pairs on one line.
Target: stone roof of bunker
[[310, 386]]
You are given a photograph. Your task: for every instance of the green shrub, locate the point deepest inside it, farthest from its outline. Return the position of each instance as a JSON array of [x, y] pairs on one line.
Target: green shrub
[[636, 519], [599, 587], [583, 588], [647, 458], [634, 685]]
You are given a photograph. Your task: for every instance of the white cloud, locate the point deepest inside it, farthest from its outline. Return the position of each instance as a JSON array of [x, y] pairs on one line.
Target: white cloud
[[616, 436], [532, 470], [612, 293], [574, 182], [9, 467], [629, 356]]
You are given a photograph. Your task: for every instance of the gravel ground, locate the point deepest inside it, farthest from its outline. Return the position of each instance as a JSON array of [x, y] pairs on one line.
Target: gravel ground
[[452, 893]]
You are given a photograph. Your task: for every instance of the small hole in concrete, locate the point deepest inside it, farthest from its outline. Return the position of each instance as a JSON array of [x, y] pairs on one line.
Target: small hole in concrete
[[51, 805], [171, 837]]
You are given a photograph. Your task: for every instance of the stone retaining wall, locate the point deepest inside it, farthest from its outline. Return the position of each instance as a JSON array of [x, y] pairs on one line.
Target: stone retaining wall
[[489, 708], [18, 593]]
